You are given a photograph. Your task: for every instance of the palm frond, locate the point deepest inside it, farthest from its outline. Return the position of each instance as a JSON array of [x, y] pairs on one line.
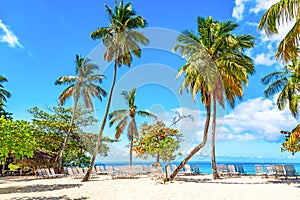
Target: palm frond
[[146, 114], [65, 95], [121, 127]]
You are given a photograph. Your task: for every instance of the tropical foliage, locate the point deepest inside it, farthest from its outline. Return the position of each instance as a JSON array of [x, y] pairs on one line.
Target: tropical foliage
[[121, 41], [286, 83], [17, 139], [279, 14], [84, 85], [4, 95], [157, 140], [292, 140], [126, 118]]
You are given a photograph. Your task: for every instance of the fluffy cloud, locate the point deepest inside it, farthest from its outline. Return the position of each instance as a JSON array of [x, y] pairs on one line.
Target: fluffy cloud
[[261, 5], [8, 36], [257, 119], [239, 8]]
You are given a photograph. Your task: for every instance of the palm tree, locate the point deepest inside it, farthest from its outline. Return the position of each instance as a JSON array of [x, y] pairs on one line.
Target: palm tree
[[83, 85], [121, 41], [198, 79], [223, 55], [226, 51], [286, 82], [4, 94], [126, 118], [284, 11]]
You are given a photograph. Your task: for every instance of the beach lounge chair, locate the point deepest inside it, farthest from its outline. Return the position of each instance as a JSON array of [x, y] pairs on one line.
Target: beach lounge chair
[[41, 173], [232, 170], [145, 169], [259, 170], [56, 175], [196, 169], [222, 169], [270, 170], [187, 169], [100, 170], [110, 171], [280, 171], [290, 171], [73, 172], [240, 169]]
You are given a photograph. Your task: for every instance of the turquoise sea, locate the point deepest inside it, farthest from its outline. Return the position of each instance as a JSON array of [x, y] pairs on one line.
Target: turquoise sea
[[205, 166]]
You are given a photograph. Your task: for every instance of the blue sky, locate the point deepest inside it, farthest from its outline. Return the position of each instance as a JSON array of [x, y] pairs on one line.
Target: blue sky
[[39, 41]]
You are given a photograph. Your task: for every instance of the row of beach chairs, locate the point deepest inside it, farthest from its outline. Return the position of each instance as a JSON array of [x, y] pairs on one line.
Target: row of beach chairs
[[278, 170], [48, 173]]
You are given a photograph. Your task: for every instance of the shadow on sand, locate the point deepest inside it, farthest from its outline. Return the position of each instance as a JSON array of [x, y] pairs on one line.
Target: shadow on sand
[[250, 182], [36, 188], [48, 198]]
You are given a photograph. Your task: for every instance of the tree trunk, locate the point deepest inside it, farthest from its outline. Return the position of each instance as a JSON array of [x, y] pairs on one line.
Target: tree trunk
[[213, 134], [60, 156], [197, 148], [157, 158], [130, 152], [99, 139]]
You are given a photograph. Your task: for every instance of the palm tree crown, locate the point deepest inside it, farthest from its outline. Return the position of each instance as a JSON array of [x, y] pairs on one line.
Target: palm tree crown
[[126, 117], [120, 38], [285, 11], [84, 84], [4, 94], [286, 82]]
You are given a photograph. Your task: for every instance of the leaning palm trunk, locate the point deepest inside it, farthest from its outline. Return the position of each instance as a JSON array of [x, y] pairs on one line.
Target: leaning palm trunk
[[197, 148], [99, 140], [213, 134], [60, 156]]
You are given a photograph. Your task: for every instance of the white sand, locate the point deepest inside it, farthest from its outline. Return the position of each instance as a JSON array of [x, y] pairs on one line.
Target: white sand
[[196, 187]]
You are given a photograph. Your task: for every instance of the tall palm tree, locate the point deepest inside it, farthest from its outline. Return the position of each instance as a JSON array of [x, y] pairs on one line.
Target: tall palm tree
[[126, 118], [284, 11], [223, 55], [226, 51], [84, 85], [201, 77], [286, 82], [4, 94], [121, 41]]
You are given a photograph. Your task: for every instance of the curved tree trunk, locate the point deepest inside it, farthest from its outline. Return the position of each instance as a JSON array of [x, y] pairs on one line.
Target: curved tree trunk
[[197, 148], [99, 140], [60, 156], [213, 134]]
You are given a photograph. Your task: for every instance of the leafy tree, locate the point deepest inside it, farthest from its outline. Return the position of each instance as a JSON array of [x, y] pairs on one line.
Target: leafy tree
[[286, 82], [282, 12], [51, 128], [126, 118], [83, 85], [16, 138], [292, 140], [121, 41], [157, 140]]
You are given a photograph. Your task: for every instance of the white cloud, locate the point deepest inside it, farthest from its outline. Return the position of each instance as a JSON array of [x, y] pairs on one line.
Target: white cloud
[[239, 8], [257, 119], [8, 36], [261, 5], [266, 59]]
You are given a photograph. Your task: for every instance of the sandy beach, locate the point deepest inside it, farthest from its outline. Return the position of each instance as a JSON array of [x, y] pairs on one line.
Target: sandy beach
[[191, 187]]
